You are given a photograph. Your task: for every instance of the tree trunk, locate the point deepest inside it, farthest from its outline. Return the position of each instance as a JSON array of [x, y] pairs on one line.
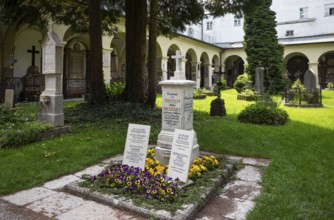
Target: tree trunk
[[97, 92], [152, 54], [136, 11]]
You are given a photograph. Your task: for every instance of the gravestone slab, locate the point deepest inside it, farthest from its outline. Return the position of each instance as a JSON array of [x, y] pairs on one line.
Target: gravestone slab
[[136, 145], [259, 79], [310, 80], [181, 153], [9, 98]]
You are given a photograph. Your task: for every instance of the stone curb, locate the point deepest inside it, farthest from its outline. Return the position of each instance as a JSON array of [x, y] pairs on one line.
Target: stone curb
[[188, 213]]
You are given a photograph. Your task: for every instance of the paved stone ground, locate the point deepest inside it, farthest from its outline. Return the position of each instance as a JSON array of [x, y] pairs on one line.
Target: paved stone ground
[[49, 202]]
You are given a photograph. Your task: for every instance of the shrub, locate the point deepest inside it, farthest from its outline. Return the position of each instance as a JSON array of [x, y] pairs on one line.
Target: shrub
[[261, 114], [240, 83], [298, 85], [330, 85], [248, 92], [115, 89], [199, 93], [264, 112], [18, 128]]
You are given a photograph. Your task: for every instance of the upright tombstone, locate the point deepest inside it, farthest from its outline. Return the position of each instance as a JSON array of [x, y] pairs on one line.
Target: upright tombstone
[[9, 98], [177, 111], [136, 145], [259, 80], [51, 99], [310, 80], [180, 158]]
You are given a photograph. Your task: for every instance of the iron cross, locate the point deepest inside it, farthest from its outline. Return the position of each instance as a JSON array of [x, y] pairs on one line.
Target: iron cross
[[33, 51]]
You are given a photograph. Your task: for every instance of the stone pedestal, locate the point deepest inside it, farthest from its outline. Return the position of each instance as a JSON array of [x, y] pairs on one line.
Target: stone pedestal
[[51, 108], [177, 113]]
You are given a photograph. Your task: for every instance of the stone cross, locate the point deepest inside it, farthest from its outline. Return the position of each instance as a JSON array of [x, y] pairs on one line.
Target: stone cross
[[33, 51], [178, 58], [179, 61]]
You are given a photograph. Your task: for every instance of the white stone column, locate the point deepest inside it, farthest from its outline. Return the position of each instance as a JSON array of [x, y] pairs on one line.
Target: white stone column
[[164, 63], [106, 61], [183, 65], [314, 67], [196, 73]]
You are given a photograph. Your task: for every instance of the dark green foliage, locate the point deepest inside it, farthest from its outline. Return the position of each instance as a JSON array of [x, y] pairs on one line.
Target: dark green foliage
[[175, 15], [120, 112], [73, 13], [261, 113], [111, 110], [18, 128], [261, 45], [222, 7]]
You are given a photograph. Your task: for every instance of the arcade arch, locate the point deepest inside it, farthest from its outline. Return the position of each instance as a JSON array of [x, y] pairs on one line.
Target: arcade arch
[[171, 62], [296, 66], [234, 66], [204, 70], [326, 68], [191, 64]]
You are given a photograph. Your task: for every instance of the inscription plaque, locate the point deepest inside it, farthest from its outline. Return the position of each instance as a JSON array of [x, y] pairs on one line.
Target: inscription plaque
[[171, 109], [136, 145], [180, 156]]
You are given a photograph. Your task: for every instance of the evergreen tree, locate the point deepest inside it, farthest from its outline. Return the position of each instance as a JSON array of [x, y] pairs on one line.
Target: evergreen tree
[[261, 45]]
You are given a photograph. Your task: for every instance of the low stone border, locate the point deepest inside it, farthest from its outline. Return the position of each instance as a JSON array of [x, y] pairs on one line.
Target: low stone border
[[188, 212], [318, 105], [55, 132]]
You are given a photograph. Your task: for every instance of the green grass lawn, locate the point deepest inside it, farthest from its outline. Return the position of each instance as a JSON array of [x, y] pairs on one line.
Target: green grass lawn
[[298, 184]]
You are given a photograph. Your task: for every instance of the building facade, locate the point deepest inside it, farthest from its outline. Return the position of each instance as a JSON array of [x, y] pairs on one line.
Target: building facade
[[304, 27], [21, 60]]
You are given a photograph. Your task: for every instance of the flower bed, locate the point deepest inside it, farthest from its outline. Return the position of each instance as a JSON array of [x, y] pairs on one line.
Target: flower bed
[[151, 183], [184, 206]]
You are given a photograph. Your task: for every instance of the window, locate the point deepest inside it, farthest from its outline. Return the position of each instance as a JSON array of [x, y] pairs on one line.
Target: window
[[237, 20], [209, 25], [289, 33], [190, 32], [329, 10], [303, 13]]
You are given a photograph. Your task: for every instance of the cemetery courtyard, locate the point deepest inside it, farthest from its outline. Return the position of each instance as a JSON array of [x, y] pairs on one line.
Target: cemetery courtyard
[[298, 183]]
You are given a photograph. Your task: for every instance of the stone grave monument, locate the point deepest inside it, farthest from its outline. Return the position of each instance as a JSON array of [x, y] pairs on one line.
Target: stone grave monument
[[218, 104], [9, 98], [259, 80], [310, 80], [177, 111], [51, 99]]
